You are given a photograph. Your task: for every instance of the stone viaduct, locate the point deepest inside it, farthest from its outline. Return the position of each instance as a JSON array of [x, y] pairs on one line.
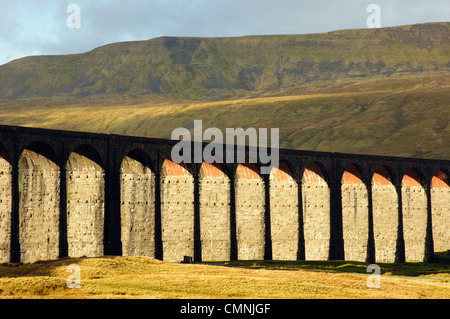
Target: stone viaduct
[[80, 194]]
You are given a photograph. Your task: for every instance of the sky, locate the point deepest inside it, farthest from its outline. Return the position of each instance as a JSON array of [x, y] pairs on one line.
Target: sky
[[47, 27]]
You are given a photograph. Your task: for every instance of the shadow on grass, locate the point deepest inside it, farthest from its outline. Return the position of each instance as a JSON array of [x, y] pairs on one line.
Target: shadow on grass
[[39, 268], [441, 266]]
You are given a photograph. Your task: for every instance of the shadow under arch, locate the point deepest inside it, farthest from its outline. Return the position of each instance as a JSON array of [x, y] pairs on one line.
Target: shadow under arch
[[85, 180], [43, 149], [87, 155], [39, 203], [141, 156], [137, 204], [4, 153]]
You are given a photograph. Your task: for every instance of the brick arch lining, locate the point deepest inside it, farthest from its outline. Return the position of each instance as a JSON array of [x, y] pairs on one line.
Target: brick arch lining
[[381, 177], [313, 174], [247, 171], [282, 173], [440, 180], [411, 178], [213, 170], [351, 175], [170, 168]]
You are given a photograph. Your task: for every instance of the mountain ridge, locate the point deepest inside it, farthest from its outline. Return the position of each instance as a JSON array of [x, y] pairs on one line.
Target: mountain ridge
[[190, 68], [365, 91]]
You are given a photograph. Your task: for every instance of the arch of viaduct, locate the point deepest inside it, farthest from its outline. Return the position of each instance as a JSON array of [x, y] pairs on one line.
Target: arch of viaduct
[[80, 194]]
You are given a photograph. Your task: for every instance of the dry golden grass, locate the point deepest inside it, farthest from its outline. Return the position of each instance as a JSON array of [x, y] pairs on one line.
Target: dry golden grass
[[399, 116], [141, 277]]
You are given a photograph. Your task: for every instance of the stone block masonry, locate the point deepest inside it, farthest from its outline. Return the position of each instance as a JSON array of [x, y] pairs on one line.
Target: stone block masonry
[[80, 194], [440, 199], [385, 216], [355, 220], [177, 212], [214, 213], [284, 213], [137, 186], [250, 205], [85, 206], [39, 203], [414, 215], [316, 213], [5, 209]]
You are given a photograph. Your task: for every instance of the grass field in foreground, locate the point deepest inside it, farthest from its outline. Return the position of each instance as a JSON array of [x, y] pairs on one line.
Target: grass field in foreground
[[143, 277]]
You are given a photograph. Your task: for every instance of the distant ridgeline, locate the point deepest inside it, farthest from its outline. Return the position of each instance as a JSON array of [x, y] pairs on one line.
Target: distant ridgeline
[[80, 194], [216, 68]]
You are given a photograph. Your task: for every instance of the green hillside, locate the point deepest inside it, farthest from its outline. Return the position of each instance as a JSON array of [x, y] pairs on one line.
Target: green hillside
[[216, 68], [373, 91]]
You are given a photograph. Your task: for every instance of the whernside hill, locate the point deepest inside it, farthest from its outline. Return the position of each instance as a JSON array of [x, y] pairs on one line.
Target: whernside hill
[[374, 91]]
